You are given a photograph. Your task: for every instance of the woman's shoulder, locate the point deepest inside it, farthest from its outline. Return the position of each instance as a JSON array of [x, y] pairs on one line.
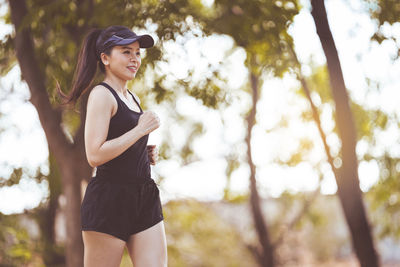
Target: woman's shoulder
[[100, 91], [102, 101], [100, 87], [101, 95]]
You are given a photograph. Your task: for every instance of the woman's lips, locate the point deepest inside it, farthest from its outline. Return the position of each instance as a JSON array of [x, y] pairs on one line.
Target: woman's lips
[[132, 69]]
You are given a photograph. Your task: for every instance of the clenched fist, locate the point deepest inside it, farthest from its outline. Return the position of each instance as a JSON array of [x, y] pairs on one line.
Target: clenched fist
[[148, 122]]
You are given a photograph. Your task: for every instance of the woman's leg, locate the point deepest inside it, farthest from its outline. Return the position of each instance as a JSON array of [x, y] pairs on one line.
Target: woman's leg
[[102, 249], [149, 247]]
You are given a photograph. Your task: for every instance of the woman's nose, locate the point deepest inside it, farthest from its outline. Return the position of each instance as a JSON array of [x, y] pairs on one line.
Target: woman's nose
[[135, 57]]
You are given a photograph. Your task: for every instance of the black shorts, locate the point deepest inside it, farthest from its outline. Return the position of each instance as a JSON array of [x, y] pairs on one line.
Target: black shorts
[[120, 209]]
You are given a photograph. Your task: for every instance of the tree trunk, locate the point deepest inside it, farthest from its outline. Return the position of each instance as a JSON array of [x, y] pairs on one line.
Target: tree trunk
[[266, 256], [72, 193], [347, 180], [46, 218], [70, 157]]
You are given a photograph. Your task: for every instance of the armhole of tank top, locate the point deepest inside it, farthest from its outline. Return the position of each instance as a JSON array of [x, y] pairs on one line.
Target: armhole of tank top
[[115, 97]]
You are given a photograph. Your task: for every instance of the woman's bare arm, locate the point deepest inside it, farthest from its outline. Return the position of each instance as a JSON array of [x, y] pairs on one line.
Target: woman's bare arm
[[99, 111]]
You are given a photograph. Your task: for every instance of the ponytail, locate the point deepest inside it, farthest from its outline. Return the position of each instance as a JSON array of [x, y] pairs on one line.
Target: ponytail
[[85, 69]]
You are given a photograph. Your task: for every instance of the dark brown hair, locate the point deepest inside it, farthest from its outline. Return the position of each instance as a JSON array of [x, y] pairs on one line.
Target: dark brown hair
[[88, 60]]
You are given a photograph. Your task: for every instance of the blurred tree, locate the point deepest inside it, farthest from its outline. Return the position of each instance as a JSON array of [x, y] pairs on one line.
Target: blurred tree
[[231, 19], [347, 175], [368, 123], [258, 27], [384, 196]]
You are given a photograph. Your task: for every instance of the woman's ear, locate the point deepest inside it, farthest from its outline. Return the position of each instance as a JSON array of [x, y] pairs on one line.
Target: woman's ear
[[104, 59]]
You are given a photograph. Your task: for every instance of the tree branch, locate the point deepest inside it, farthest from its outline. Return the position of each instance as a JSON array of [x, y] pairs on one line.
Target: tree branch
[[314, 109], [267, 253]]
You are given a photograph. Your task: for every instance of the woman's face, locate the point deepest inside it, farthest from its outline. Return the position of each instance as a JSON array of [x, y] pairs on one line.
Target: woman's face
[[124, 61]]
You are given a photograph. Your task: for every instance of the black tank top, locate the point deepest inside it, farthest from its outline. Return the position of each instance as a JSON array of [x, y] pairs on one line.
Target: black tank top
[[133, 164]]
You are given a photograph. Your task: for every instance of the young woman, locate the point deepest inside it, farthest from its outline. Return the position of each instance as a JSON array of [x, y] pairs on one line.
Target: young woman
[[121, 206]]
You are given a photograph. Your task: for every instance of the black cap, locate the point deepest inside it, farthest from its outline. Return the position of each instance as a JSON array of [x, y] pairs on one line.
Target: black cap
[[126, 37]]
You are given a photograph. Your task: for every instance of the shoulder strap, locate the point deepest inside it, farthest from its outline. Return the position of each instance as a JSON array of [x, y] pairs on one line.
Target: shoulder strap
[[110, 88], [119, 101]]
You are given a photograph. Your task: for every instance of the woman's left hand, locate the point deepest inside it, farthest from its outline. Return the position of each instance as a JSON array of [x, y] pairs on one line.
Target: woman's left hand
[[153, 154]]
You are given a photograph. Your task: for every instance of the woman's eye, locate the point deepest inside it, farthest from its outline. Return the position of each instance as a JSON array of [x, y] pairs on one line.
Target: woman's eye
[[128, 52]]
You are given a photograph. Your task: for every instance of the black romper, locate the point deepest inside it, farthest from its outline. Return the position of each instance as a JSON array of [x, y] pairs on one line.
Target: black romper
[[122, 199]]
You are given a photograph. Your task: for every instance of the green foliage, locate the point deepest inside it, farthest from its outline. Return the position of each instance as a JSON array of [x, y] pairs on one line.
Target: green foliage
[[237, 198], [289, 205], [305, 146], [233, 164], [318, 232], [16, 247], [208, 91], [20, 245], [161, 92], [319, 83], [42, 248], [260, 27], [196, 236], [384, 198], [7, 55], [367, 121], [187, 152], [14, 178], [18, 173], [385, 12], [58, 28]]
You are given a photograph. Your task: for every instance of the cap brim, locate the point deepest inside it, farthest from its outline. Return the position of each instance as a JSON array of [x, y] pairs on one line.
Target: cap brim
[[145, 41]]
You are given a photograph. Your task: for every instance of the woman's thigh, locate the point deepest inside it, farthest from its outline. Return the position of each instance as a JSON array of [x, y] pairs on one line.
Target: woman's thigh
[[148, 248], [102, 249]]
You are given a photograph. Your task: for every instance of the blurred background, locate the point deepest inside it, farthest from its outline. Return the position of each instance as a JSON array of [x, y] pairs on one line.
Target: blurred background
[[279, 137]]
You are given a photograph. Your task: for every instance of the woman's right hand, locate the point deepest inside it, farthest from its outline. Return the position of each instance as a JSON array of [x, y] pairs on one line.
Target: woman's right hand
[[148, 122]]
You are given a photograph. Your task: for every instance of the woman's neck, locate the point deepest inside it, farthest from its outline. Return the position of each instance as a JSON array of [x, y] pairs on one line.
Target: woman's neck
[[116, 83]]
